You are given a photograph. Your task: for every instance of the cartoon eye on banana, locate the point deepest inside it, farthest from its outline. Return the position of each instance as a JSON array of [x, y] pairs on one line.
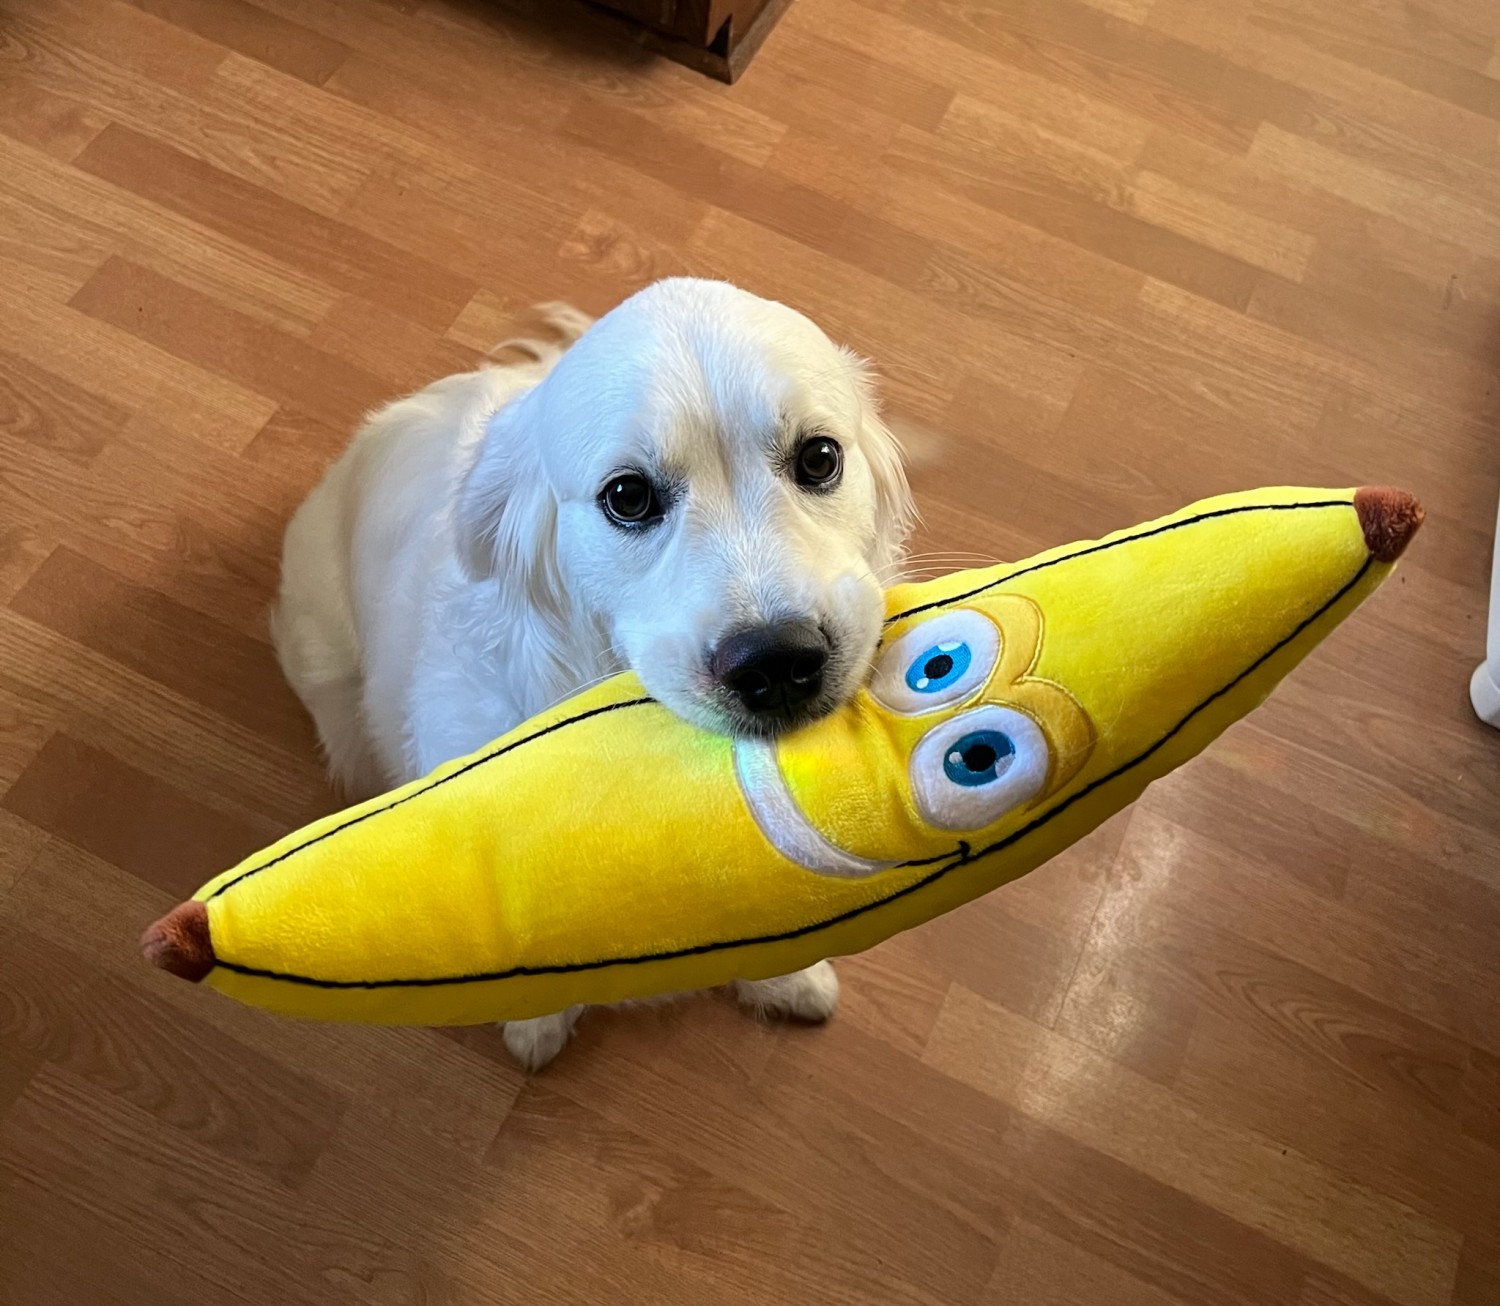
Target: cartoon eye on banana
[[606, 850]]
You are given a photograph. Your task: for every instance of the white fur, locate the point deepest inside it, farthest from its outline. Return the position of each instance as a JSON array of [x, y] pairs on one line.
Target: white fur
[[454, 574]]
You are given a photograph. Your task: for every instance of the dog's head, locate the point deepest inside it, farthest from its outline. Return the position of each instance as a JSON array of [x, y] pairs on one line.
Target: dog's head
[[705, 475]]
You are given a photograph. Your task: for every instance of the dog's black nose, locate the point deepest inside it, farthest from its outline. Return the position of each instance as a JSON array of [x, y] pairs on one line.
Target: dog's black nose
[[772, 668]]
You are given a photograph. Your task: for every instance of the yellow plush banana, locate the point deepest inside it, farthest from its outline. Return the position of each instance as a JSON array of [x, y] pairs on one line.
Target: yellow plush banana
[[606, 850]]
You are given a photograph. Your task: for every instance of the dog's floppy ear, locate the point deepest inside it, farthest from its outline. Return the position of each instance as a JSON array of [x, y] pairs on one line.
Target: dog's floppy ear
[[895, 512], [505, 519]]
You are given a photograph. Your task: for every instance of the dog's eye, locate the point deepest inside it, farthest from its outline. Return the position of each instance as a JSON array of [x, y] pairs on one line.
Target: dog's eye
[[819, 463], [937, 664], [630, 500], [969, 772]]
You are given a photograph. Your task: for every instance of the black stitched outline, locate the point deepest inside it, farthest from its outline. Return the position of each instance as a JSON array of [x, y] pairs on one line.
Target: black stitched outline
[[1127, 539], [965, 856], [452, 775]]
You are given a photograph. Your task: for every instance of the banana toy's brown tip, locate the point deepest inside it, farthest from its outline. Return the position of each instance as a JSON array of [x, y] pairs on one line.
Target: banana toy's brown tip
[[1389, 518], [179, 942]]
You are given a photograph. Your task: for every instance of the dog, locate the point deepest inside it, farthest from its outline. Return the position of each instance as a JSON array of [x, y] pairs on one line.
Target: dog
[[698, 487]]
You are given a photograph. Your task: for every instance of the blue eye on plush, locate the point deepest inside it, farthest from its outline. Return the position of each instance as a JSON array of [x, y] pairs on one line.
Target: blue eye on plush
[[978, 757], [937, 663], [975, 768], [939, 667]]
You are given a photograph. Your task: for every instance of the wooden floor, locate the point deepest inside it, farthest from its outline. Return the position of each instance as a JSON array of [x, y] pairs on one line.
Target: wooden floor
[[1241, 1046]]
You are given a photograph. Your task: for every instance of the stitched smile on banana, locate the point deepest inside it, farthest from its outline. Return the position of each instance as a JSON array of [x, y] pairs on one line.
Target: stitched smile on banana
[[977, 738]]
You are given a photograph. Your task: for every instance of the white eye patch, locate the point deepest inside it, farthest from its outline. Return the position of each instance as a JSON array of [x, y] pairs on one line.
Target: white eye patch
[[970, 771], [937, 664]]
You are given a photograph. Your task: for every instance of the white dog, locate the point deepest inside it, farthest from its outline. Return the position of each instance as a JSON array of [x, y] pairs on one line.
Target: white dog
[[697, 486]]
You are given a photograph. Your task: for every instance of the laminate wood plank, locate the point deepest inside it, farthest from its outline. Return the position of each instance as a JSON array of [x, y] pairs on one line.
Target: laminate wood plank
[[254, 33], [1074, 202], [80, 63], [175, 739], [1273, 360], [109, 808], [1403, 822], [1267, 245], [98, 218], [609, 259], [190, 654], [1241, 784], [1478, 1272], [1443, 287], [464, 221], [323, 249], [196, 1081], [1325, 319], [1035, 1266], [54, 413], [51, 123], [128, 370], [117, 41], [200, 330], [20, 842], [1376, 189], [924, 236], [1335, 719], [703, 171], [922, 350], [93, 1187], [1285, 1195], [44, 1269], [1079, 1195], [1438, 59], [1342, 92], [444, 1100], [790, 91], [889, 996], [521, 46], [426, 1230], [380, 341], [142, 508], [1406, 1087], [647, 1217], [862, 72], [1019, 948], [1127, 66], [545, 182], [1411, 970], [1025, 92], [296, 444], [47, 272], [1402, 1153], [818, 1157]]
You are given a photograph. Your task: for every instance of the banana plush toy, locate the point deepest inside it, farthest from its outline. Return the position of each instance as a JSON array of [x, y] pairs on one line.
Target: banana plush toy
[[606, 850]]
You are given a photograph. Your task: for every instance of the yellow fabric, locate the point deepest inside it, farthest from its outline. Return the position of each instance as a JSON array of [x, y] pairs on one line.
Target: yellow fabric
[[605, 850]]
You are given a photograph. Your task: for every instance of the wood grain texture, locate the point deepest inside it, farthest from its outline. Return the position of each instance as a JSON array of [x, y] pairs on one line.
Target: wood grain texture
[[1241, 1045]]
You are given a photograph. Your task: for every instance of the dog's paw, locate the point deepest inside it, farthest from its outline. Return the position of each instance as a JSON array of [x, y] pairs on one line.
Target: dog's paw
[[534, 1043], [811, 995]]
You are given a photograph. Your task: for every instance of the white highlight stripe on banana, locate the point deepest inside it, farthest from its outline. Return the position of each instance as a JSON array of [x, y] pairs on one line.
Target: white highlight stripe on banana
[[781, 820]]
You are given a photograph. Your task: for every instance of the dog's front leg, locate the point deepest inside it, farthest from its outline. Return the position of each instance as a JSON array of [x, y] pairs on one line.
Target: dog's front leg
[[811, 994]]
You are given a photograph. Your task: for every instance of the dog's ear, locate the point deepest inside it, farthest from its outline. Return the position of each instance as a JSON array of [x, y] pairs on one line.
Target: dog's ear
[[895, 512], [505, 519]]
